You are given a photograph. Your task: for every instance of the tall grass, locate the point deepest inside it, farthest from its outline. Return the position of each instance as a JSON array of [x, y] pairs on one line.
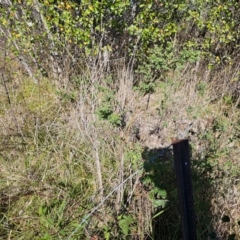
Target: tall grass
[[65, 147]]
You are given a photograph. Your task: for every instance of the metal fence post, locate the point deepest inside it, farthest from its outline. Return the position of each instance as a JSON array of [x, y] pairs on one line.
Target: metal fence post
[[185, 194]]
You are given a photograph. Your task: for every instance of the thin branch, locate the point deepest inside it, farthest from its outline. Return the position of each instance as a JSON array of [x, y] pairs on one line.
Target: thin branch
[[22, 59]]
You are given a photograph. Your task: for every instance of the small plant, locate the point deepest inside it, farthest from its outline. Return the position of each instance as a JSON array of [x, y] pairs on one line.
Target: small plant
[[228, 100], [67, 97], [124, 222], [106, 232], [146, 87], [201, 88], [159, 60], [106, 109], [115, 119]]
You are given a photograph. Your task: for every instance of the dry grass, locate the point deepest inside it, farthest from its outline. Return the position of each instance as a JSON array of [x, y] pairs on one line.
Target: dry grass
[[59, 160]]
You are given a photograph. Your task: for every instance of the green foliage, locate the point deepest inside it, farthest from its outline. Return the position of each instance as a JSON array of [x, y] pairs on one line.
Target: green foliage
[[162, 59], [201, 87], [67, 97], [188, 54], [37, 99], [158, 197], [69, 28], [146, 87], [53, 219], [106, 113], [153, 179], [115, 119], [151, 24], [161, 38], [217, 25], [107, 232], [134, 156], [159, 60], [124, 223], [106, 109], [228, 100]]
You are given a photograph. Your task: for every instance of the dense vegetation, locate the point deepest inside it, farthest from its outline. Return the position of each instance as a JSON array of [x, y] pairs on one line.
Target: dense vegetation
[[92, 93]]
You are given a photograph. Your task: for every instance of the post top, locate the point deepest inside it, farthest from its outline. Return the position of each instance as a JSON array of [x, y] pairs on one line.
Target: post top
[[176, 140]]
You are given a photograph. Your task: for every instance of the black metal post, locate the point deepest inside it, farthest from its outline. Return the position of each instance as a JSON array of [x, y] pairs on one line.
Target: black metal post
[[185, 194]]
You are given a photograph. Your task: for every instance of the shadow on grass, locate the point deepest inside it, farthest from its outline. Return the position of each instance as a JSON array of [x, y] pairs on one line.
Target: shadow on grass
[[160, 171]]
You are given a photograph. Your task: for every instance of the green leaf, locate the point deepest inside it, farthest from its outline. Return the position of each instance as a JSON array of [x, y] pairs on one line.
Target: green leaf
[[40, 211], [107, 235], [159, 213], [115, 119], [50, 221], [160, 203], [47, 236], [124, 224]]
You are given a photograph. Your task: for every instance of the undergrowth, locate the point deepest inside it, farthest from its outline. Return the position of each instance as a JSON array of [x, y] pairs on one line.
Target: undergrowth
[[83, 134], [50, 148]]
